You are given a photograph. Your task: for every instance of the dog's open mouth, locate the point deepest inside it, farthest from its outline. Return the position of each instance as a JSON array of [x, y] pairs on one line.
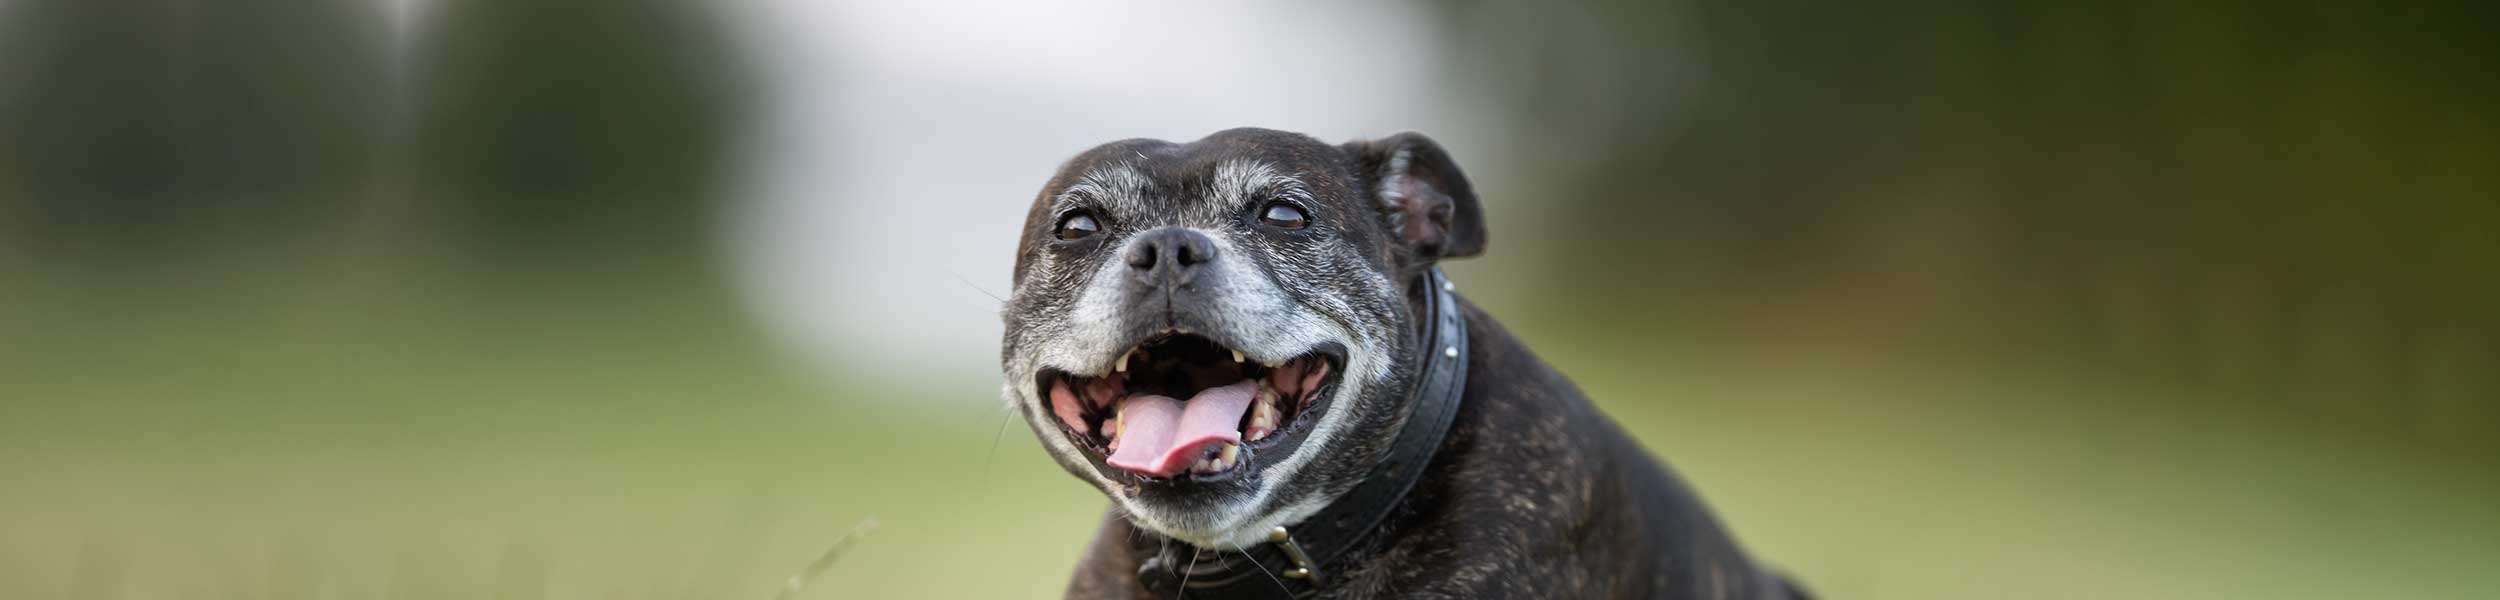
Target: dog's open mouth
[[1182, 402]]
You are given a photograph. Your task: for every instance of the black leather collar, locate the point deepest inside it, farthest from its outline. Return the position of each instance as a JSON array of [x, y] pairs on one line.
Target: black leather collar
[[1296, 560]]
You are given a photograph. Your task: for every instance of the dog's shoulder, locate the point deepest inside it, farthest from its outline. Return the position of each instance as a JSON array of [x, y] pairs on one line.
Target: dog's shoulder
[[1512, 498], [1536, 494]]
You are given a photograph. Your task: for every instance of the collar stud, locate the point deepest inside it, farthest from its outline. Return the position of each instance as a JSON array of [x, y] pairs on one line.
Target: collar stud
[[1302, 567]]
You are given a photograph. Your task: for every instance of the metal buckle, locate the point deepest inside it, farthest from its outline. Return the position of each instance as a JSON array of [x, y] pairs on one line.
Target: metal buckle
[[1303, 568]]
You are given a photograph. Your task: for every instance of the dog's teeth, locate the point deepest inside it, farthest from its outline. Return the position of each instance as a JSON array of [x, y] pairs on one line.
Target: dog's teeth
[[1111, 430], [1219, 461], [1122, 366], [1238, 358], [1262, 414]]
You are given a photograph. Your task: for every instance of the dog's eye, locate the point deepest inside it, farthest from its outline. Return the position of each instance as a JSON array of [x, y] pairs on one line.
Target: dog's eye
[[1077, 225], [1280, 214]]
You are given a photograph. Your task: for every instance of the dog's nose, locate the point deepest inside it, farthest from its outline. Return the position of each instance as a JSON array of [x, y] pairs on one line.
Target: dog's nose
[[1170, 255]]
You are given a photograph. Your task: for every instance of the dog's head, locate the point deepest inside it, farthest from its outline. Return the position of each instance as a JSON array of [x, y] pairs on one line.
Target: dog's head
[[1220, 334]]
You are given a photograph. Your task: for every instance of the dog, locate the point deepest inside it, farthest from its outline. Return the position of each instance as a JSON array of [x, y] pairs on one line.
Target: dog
[[1246, 344]]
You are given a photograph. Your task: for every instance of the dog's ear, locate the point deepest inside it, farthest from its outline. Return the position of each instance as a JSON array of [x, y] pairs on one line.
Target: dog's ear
[[1424, 202]]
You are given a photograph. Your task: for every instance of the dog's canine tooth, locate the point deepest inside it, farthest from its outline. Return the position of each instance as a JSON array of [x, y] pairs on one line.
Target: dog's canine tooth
[[1122, 366], [1111, 430], [1238, 358], [1262, 414]]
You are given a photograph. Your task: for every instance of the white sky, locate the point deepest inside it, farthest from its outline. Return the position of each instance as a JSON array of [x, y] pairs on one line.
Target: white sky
[[900, 141], [903, 140]]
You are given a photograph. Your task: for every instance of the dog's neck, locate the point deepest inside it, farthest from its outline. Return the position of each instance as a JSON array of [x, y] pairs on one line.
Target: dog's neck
[[1295, 560]]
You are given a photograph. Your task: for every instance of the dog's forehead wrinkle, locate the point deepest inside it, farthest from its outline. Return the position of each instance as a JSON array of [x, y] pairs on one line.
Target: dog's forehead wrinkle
[[1238, 181], [1117, 187]]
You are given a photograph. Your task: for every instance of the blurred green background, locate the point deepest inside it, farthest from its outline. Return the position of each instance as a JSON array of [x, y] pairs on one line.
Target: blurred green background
[[443, 299]]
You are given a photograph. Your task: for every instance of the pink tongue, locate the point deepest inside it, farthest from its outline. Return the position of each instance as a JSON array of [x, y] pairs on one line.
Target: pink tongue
[[1160, 436]]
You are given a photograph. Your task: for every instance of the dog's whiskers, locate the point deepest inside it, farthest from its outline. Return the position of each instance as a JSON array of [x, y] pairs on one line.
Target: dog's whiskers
[[975, 287], [987, 460], [1254, 561], [1185, 573]]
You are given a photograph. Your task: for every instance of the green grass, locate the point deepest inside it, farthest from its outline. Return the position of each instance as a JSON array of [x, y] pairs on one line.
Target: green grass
[[249, 435]]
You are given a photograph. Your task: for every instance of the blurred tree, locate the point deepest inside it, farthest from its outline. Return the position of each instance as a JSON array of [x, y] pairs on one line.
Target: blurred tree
[[574, 126], [132, 124], [2290, 205], [511, 128]]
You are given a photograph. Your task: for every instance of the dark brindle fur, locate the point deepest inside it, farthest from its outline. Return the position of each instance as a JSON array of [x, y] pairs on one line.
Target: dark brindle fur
[[1532, 494]]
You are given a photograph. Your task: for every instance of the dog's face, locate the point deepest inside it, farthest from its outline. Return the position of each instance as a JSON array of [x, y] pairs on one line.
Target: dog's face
[[1220, 334]]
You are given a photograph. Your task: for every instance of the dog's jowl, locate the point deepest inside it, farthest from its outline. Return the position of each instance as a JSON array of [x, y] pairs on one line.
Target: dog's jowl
[[1245, 343]]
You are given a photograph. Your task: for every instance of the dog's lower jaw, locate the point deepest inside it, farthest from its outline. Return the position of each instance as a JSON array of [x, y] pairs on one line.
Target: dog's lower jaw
[[1228, 526], [1218, 536], [1241, 531]]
